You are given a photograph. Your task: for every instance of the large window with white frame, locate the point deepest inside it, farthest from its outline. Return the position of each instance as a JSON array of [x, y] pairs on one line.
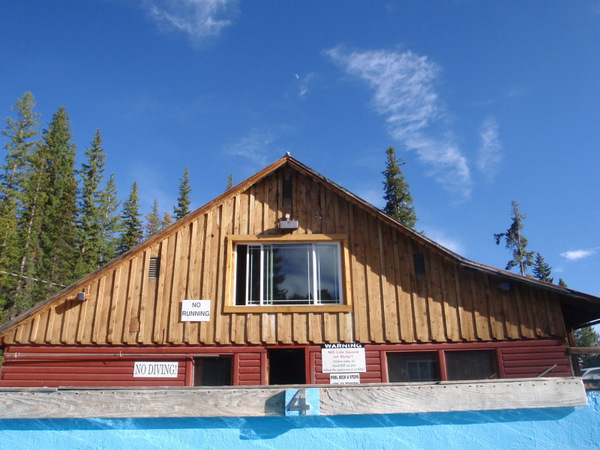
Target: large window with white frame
[[288, 273]]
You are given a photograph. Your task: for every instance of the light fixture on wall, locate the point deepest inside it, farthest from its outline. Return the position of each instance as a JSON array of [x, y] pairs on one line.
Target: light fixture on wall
[[83, 296], [288, 224]]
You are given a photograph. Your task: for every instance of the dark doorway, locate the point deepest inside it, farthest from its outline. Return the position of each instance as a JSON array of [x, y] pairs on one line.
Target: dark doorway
[[287, 366], [212, 371]]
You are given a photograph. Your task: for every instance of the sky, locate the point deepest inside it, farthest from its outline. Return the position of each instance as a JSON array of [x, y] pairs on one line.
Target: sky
[[486, 102]]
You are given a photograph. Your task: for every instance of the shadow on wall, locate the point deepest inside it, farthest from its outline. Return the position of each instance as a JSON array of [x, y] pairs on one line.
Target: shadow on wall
[[251, 428]]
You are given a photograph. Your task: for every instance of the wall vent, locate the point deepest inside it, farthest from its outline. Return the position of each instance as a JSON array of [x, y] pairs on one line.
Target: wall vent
[[287, 190], [154, 267], [419, 260]]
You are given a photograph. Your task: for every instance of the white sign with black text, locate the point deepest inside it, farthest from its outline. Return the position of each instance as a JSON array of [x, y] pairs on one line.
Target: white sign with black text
[[343, 358], [155, 369], [195, 310], [344, 378]]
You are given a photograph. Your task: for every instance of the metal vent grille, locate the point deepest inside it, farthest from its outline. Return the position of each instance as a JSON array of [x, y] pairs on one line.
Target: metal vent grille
[[419, 260], [154, 267], [287, 190]]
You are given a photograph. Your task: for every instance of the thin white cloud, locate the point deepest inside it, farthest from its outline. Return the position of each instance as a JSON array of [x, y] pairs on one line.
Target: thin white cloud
[[490, 148], [198, 19], [444, 240], [405, 93], [574, 255], [304, 83], [255, 147]]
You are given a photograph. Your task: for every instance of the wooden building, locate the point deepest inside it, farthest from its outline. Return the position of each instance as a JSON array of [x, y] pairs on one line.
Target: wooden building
[[288, 278]]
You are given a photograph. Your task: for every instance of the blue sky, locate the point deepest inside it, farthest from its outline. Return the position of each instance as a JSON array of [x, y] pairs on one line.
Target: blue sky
[[487, 102]]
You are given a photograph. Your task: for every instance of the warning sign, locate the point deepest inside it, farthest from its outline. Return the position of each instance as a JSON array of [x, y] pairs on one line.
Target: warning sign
[[343, 358]]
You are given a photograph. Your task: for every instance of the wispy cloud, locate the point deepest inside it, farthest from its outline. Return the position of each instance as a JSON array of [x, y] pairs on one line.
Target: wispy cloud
[[574, 255], [404, 85], [490, 148], [304, 82], [256, 147], [443, 239], [198, 19]]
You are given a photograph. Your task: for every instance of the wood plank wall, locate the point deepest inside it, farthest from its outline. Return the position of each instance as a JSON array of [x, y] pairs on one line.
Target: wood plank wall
[[450, 303], [31, 366]]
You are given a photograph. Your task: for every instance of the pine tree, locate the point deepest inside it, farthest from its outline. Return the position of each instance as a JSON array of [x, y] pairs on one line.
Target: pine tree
[[229, 182], [562, 282], [153, 221], [90, 220], [22, 133], [56, 259], [35, 195], [399, 202], [167, 220], [541, 270], [132, 231], [110, 221], [515, 241], [587, 337], [183, 201]]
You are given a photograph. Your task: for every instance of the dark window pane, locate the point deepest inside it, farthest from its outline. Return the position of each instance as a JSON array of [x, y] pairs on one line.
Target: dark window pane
[[240, 280], [471, 365], [288, 273], [212, 371], [328, 273], [254, 275], [421, 366], [287, 366]]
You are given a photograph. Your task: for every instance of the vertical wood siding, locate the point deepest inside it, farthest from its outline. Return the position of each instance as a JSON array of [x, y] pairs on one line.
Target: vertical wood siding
[[450, 303]]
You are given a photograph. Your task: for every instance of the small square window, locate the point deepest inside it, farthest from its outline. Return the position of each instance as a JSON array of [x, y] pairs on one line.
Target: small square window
[[412, 367], [471, 365], [212, 371]]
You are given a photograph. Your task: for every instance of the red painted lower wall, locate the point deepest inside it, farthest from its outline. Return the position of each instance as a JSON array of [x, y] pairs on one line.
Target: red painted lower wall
[[53, 366]]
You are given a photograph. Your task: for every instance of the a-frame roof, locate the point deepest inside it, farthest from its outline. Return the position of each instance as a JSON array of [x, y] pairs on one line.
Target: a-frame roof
[[578, 308]]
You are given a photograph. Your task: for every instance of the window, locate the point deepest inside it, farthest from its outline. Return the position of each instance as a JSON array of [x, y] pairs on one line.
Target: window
[[426, 366], [412, 367], [471, 365], [283, 273], [287, 365], [212, 371]]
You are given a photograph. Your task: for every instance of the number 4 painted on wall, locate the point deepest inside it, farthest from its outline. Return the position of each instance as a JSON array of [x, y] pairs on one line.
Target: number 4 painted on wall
[[302, 402]]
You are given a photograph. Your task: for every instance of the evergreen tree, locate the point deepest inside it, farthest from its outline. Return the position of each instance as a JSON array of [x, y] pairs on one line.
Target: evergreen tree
[[90, 220], [35, 194], [21, 133], [541, 270], [110, 221], [183, 201], [229, 182], [561, 282], [399, 202], [167, 220], [516, 242], [587, 337], [56, 259], [132, 230], [153, 221]]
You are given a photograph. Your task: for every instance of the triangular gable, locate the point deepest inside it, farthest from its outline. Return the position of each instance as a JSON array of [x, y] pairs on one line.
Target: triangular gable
[[578, 308]]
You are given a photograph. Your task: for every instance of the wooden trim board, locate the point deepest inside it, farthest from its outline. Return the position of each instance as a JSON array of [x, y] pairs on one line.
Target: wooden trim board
[[260, 401]]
